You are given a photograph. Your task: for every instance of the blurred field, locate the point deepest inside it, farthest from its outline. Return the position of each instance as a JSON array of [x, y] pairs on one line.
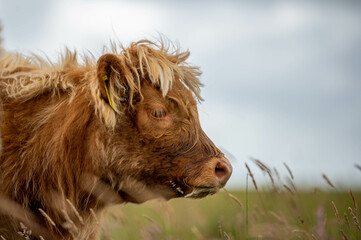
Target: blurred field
[[273, 213]]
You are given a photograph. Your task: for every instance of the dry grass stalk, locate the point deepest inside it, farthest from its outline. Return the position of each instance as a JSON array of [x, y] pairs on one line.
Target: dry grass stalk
[[261, 165], [75, 211], [355, 220], [2, 238], [328, 180], [251, 174], [358, 166], [346, 219], [285, 221], [290, 182], [197, 233], [226, 236], [119, 216], [336, 211], [149, 219], [314, 237], [289, 189], [289, 170], [277, 174], [69, 224], [220, 231], [47, 217], [41, 237], [344, 236], [279, 219], [151, 232], [94, 216], [272, 181], [235, 199], [354, 203], [265, 169]]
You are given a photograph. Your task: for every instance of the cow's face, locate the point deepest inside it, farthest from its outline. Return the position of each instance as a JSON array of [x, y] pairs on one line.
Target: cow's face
[[163, 151], [180, 156]]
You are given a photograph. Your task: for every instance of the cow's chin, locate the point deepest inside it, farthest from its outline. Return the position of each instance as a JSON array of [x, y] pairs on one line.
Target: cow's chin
[[145, 194]]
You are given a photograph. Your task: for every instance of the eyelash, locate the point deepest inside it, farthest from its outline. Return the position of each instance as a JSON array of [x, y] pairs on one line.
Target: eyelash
[[158, 113]]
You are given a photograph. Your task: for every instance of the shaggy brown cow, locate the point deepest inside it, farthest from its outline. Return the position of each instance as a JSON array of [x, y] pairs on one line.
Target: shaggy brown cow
[[77, 137]]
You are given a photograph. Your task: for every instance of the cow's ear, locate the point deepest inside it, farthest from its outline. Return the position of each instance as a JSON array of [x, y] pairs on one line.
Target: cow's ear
[[108, 70]]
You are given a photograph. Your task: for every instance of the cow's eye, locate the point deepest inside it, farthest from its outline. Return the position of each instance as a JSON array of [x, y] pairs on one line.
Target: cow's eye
[[158, 113]]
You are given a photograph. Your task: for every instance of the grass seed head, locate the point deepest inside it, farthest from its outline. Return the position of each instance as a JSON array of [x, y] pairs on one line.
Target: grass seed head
[[226, 236], [289, 170], [346, 219], [343, 235], [328, 180], [354, 203], [336, 211], [235, 199], [289, 189], [220, 230], [46, 217], [355, 219], [75, 211], [251, 174]]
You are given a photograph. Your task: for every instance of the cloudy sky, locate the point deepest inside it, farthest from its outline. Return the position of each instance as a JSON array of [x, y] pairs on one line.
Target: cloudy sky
[[282, 79]]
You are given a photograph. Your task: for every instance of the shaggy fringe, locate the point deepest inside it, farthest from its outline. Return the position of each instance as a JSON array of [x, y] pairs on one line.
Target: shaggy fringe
[[25, 77]]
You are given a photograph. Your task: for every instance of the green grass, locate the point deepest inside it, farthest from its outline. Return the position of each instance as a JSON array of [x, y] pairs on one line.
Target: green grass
[[272, 214], [278, 211]]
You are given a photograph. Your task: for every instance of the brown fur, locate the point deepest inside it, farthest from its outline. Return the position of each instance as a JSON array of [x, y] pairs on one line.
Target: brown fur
[[66, 153]]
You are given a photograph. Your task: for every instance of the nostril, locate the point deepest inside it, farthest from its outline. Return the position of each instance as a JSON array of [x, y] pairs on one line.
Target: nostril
[[223, 171], [214, 173], [220, 171]]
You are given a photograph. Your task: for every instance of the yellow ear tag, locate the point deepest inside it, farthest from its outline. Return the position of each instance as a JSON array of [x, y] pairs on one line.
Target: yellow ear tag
[[105, 78]]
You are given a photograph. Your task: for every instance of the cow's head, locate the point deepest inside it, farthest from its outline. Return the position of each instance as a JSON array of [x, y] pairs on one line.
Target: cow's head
[[156, 146]]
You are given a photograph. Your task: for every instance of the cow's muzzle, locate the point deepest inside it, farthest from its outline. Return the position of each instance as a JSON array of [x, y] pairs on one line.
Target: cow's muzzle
[[213, 175]]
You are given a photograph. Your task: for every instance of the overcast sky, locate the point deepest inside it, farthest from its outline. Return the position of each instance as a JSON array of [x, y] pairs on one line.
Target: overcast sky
[[282, 79]]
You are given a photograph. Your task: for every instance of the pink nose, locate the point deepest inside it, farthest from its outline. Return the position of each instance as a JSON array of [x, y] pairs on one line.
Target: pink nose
[[214, 173], [222, 170]]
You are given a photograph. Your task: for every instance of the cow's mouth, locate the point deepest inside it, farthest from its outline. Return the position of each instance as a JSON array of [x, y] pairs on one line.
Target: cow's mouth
[[200, 192], [164, 192], [193, 191]]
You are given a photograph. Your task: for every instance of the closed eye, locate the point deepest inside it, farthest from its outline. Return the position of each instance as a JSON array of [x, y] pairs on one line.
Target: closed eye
[[158, 113]]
